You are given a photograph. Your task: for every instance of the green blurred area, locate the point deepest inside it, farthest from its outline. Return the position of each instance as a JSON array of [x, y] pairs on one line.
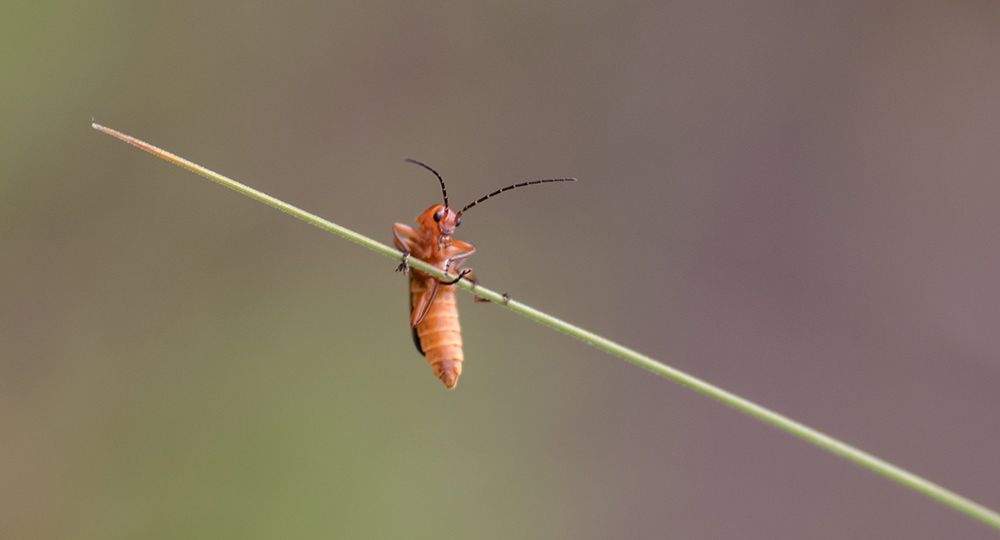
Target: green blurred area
[[794, 201]]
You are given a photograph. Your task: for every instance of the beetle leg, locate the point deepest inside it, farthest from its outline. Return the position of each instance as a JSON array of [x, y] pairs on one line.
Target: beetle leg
[[457, 252], [461, 275], [474, 279], [402, 236], [424, 302]]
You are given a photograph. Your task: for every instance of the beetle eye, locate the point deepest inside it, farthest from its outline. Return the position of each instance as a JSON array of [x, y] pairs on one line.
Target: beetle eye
[[458, 222], [437, 215]]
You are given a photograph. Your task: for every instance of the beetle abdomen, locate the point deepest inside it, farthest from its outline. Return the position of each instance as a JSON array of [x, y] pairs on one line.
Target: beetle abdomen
[[439, 334]]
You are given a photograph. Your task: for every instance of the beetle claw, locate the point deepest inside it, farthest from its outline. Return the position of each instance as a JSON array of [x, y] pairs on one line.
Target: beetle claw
[[461, 275], [403, 266]]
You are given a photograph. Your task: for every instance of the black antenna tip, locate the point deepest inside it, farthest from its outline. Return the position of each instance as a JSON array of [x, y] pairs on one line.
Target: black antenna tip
[[513, 186], [444, 190]]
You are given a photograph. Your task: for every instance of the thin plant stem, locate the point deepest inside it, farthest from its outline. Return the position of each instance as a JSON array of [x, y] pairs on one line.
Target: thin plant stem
[[792, 427]]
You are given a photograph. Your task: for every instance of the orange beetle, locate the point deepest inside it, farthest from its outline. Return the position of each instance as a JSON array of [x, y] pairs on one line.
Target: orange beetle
[[433, 313]]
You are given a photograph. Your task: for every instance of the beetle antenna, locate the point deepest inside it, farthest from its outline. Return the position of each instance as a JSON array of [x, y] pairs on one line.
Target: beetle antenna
[[514, 186], [444, 191]]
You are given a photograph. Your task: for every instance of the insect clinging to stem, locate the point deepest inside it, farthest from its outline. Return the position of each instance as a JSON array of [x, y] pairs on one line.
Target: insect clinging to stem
[[433, 313]]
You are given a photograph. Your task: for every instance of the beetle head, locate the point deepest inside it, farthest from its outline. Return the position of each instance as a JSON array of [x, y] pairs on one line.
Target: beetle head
[[441, 219]]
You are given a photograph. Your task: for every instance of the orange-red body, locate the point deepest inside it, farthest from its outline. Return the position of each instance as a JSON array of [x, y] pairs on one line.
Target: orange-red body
[[433, 313]]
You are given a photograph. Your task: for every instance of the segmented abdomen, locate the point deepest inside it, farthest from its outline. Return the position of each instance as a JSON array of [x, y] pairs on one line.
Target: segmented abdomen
[[439, 334]]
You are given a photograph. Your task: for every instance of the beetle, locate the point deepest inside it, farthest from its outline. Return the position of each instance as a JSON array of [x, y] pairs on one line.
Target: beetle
[[433, 313]]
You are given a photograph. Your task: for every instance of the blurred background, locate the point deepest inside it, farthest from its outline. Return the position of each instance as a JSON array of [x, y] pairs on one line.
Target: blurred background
[[795, 201]]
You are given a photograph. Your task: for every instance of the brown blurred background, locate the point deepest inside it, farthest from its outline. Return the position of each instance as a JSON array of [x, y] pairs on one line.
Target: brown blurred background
[[796, 201]]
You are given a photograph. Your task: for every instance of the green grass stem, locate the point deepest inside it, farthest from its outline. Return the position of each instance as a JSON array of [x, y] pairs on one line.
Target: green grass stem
[[792, 427]]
